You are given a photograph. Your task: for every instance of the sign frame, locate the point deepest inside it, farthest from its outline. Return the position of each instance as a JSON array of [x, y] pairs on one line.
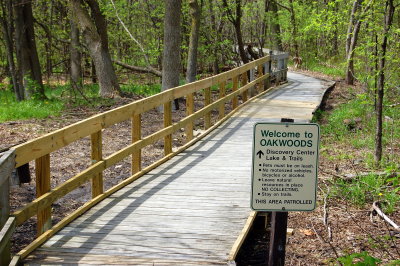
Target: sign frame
[[256, 156]]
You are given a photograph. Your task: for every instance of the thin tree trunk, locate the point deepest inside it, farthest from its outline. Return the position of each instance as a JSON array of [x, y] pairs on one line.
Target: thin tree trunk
[[352, 38], [8, 30], [195, 12], [27, 56], [294, 29], [76, 58], [388, 20], [217, 32]]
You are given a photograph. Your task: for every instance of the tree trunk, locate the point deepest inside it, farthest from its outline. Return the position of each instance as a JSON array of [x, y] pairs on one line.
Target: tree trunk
[[8, 31], [217, 32], [275, 27], [388, 20], [352, 38], [195, 12], [172, 41], [27, 56], [294, 29], [94, 32], [76, 58]]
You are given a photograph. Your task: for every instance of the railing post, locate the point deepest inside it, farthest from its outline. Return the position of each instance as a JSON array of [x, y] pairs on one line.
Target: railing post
[[252, 90], [42, 166], [234, 88], [96, 155], [260, 74], [167, 123], [136, 135], [270, 68], [285, 66], [7, 163], [244, 82], [189, 111], [207, 101], [221, 109]]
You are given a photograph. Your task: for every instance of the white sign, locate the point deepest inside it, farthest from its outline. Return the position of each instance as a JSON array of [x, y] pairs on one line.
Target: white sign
[[285, 164]]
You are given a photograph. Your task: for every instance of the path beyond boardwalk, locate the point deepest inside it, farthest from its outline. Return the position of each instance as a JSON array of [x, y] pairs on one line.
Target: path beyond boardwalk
[[191, 209]]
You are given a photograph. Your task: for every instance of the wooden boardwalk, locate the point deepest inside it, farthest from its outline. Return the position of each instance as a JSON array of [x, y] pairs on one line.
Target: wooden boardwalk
[[191, 209]]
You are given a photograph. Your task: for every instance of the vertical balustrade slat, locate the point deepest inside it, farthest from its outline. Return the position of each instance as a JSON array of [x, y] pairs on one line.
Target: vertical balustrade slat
[[244, 82], [167, 122], [234, 88], [96, 155], [42, 166], [189, 111], [207, 101], [136, 135], [221, 109]]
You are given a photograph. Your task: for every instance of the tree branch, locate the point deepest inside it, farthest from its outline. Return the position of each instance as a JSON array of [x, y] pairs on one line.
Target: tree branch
[[138, 68]]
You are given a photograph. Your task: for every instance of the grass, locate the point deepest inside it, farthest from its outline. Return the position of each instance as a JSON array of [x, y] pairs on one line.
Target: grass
[[367, 189], [10, 109]]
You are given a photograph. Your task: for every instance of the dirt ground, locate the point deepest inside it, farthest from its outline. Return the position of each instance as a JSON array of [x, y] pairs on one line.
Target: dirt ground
[[334, 229]]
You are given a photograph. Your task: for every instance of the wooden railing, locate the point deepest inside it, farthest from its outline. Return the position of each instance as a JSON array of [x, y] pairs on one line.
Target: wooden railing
[[39, 149]]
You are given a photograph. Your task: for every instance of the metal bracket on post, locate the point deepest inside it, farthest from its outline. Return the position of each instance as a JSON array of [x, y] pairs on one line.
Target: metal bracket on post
[[277, 240]]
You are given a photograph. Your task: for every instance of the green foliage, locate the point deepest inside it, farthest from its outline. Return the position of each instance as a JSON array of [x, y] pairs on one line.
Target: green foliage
[[34, 108], [361, 259], [367, 189], [142, 89]]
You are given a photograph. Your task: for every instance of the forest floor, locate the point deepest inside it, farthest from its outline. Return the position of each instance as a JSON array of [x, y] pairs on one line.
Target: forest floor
[[336, 228]]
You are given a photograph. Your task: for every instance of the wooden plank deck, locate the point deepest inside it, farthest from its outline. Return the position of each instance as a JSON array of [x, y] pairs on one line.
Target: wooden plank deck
[[191, 209]]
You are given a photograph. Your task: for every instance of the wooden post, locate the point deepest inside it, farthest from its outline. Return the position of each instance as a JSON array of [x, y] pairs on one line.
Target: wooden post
[[244, 82], [207, 101], [252, 90], [42, 166], [277, 240], [7, 163], [167, 123], [234, 88], [221, 109], [260, 74], [189, 111], [285, 66], [270, 68], [136, 135], [97, 154]]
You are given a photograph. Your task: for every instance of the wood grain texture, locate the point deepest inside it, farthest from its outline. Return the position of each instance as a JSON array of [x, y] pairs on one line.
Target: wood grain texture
[[189, 111], [136, 136], [192, 208], [97, 156], [42, 168]]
